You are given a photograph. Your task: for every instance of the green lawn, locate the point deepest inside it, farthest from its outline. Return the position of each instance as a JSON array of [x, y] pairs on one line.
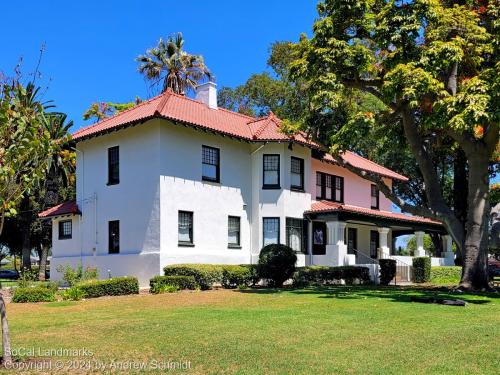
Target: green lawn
[[351, 330]]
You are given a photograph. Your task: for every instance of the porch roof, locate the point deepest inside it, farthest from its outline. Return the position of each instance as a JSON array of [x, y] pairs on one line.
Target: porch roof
[[327, 209], [66, 208]]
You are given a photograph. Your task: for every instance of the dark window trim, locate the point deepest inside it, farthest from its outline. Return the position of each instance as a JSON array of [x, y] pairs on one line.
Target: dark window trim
[[235, 245], [271, 186], [279, 227], [111, 179], [111, 249], [354, 242], [61, 231], [217, 178], [191, 232], [301, 162], [334, 184], [377, 196]]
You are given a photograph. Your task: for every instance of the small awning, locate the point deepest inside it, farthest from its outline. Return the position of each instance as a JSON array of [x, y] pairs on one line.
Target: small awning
[[66, 208]]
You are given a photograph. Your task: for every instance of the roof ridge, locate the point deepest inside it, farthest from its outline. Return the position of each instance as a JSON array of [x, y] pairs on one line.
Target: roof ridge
[[259, 131]]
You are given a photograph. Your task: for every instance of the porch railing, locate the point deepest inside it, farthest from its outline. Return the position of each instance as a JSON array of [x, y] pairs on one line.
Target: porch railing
[[404, 271]]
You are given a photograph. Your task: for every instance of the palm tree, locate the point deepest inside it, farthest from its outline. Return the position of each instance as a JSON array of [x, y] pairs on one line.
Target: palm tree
[[168, 64]]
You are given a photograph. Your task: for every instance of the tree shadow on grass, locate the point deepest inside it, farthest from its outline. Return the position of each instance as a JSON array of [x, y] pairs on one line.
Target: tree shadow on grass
[[393, 293]]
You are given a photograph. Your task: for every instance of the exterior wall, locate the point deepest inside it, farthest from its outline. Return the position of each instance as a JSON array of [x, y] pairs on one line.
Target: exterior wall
[[70, 246], [357, 191]]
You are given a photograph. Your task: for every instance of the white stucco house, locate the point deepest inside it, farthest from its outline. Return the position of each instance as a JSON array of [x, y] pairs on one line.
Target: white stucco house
[[177, 180]]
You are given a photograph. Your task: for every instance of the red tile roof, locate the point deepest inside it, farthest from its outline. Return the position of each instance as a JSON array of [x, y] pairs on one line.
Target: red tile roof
[[327, 206], [66, 208], [174, 107]]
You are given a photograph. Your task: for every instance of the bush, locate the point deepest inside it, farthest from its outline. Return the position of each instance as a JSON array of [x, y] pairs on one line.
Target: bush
[[111, 287], [73, 294], [446, 275], [74, 276], [421, 269], [235, 276], [205, 275], [253, 278], [322, 275], [276, 263], [387, 270], [157, 283], [167, 289], [35, 294], [27, 278]]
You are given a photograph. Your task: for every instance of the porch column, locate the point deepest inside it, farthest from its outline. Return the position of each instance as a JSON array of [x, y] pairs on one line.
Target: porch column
[[420, 251], [448, 255], [336, 248], [383, 251]]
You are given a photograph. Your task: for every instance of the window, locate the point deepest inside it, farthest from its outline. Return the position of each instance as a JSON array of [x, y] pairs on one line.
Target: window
[[65, 229], [233, 231], [185, 227], [374, 243], [271, 172], [297, 174], [352, 240], [114, 237], [210, 164], [329, 187], [296, 230], [374, 197], [113, 165], [271, 229]]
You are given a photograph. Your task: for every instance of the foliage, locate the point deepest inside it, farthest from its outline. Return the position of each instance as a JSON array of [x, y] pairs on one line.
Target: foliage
[[421, 269], [253, 278], [167, 288], [387, 270], [445, 275], [411, 245], [322, 275], [235, 276], [101, 110], [276, 263], [181, 282], [33, 294], [26, 278], [73, 276], [205, 275], [494, 194], [170, 66], [73, 294], [110, 287]]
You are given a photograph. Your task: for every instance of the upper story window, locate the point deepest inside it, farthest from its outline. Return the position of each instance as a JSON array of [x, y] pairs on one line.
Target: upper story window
[[329, 187], [114, 237], [296, 173], [375, 201], [271, 230], [113, 165], [210, 164], [185, 228], [271, 166], [233, 231], [65, 229]]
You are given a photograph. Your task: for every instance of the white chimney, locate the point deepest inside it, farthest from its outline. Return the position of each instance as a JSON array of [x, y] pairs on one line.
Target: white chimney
[[207, 93]]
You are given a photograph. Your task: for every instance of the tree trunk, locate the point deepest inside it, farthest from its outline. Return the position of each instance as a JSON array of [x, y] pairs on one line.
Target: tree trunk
[[26, 218], [460, 190], [475, 259], [43, 262], [7, 358]]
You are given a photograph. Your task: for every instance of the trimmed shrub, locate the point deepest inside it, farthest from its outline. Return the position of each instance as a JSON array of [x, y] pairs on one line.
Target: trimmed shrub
[[322, 275], [253, 278], [73, 294], [421, 269], [165, 288], [235, 276], [276, 263], [157, 283], [117, 286], [387, 270], [35, 294], [205, 275], [446, 275]]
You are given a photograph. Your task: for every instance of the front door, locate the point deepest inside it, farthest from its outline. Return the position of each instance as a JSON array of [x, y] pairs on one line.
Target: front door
[[352, 240], [319, 238]]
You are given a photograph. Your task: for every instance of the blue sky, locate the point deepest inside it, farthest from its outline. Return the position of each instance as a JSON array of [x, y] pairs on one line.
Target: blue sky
[[90, 46]]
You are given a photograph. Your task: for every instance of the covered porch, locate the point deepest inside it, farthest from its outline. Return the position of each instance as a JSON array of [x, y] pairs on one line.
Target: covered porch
[[342, 234]]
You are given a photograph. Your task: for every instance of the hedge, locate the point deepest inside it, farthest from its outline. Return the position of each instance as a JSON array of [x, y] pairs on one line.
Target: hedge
[[421, 269], [321, 275], [157, 283], [446, 275], [254, 277], [117, 286], [205, 275], [387, 270], [35, 294], [234, 276]]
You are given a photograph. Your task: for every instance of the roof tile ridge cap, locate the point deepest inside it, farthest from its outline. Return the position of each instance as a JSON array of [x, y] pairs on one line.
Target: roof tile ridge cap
[[116, 115], [259, 131], [252, 118], [372, 162]]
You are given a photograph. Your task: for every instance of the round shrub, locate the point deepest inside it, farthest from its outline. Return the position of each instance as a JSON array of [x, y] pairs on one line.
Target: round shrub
[[422, 269], [276, 263], [235, 276], [387, 270]]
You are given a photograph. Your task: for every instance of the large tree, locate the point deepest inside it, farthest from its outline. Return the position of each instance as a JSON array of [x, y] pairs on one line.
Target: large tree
[[433, 64], [170, 66]]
